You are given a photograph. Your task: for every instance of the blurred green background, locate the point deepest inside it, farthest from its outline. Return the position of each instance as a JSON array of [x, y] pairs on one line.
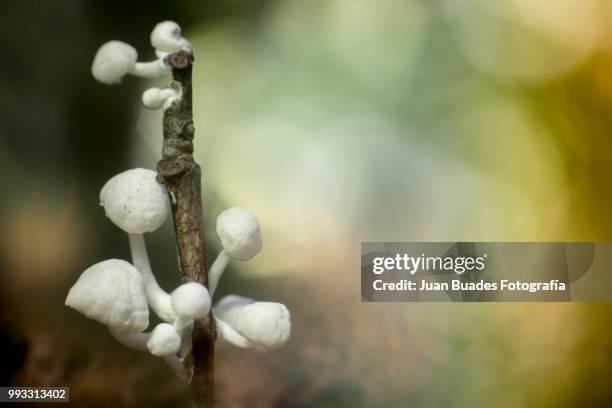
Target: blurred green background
[[336, 121]]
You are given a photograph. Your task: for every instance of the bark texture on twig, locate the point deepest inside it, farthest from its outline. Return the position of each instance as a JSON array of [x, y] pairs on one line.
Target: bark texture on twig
[[182, 178]]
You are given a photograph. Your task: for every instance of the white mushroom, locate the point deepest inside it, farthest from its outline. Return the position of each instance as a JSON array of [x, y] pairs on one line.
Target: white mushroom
[[137, 203], [239, 232], [155, 98], [139, 341], [164, 340], [111, 292], [115, 59], [166, 39], [265, 325], [189, 301]]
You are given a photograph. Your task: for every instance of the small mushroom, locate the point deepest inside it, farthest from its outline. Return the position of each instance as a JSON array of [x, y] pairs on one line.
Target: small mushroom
[[240, 235], [265, 325], [189, 301], [115, 59], [139, 341], [155, 98], [137, 203], [164, 340], [111, 292], [166, 39]]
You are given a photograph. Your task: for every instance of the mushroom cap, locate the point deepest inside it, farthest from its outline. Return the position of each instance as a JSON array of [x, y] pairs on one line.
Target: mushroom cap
[[112, 292], [164, 340], [191, 300], [166, 37], [135, 201], [155, 98], [113, 60], [152, 98], [266, 324], [239, 232]]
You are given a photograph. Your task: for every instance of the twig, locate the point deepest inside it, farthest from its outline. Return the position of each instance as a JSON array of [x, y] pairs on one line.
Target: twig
[[182, 177]]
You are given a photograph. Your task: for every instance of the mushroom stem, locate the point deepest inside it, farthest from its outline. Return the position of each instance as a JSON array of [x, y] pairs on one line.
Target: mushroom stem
[[216, 270], [136, 341], [169, 93], [229, 334], [151, 69], [186, 345], [177, 365], [158, 299], [181, 322]]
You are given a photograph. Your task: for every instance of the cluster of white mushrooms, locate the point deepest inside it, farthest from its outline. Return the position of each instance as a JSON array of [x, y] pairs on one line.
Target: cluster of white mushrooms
[[116, 59], [119, 294]]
